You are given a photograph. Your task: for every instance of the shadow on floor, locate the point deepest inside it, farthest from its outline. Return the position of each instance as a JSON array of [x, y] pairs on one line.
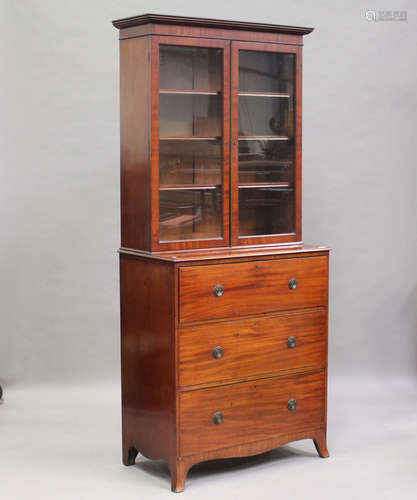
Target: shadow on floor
[[159, 468]]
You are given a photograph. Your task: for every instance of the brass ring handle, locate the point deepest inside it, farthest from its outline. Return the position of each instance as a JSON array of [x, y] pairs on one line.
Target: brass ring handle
[[292, 284], [218, 352], [218, 290], [218, 418], [292, 404]]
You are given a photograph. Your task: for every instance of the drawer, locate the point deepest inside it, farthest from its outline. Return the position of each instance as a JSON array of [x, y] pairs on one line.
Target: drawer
[[216, 418], [251, 288], [248, 347]]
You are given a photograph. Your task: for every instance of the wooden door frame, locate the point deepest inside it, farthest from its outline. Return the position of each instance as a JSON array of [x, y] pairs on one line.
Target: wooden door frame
[[234, 188], [193, 42]]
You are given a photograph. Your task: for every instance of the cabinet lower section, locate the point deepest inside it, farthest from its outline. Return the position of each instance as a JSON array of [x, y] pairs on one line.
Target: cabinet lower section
[[245, 373]]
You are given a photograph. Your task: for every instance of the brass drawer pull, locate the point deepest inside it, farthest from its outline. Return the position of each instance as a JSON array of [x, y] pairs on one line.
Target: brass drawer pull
[[292, 284], [217, 352], [218, 290], [218, 418], [291, 342], [292, 404]]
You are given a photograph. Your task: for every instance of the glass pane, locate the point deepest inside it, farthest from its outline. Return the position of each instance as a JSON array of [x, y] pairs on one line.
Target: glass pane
[[265, 210], [190, 145], [265, 116], [266, 161], [188, 115], [190, 213], [190, 162], [266, 72], [266, 143], [190, 68]]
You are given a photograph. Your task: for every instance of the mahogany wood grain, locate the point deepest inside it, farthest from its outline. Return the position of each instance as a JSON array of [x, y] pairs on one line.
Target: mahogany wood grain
[[135, 143], [247, 378], [219, 34], [251, 347], [232, 254], [180, 467], [252, 288], [148, 371], [298, 139], [320, 442], [251, 411]]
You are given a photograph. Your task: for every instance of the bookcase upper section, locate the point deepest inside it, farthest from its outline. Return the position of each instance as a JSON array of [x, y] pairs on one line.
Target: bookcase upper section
[[210, 133]]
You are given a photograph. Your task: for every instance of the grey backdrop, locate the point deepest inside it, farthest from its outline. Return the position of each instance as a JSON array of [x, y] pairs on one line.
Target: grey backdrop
[[59, 194], [60, 179]]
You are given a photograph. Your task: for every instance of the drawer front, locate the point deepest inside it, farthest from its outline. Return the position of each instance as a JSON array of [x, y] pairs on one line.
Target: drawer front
[[212, 419], [249, 288], [248, 347]]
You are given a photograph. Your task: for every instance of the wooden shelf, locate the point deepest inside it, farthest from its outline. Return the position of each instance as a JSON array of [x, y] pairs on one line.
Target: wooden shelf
[[263, 94], [189, 138], [264, 163], [190, 92], [264, 138], [178, 220], [188, 187], [255, 185]]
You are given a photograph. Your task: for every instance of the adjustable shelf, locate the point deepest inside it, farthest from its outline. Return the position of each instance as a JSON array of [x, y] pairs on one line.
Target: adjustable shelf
[[178, 220], [263, 94], [189, 187], [188, 138], [264, 138], [190, 92], [255, 185]]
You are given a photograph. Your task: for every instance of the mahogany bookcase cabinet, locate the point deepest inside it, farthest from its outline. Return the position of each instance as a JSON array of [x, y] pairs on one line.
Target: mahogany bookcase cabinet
[[223, 308]]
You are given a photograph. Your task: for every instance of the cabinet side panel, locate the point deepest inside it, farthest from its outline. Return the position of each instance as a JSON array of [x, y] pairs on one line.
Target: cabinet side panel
[[147, 336], [135, 142]]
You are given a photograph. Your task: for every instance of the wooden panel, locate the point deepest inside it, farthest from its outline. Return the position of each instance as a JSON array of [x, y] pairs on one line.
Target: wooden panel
[[233, 254], [251, 411], [206, 32], [180, 469], [201, 32], [147, 337], [135, 143], [252, 288], [251, 347]]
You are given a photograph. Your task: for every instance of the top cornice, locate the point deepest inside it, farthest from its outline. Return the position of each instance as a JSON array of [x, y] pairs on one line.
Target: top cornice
[[128, 22]]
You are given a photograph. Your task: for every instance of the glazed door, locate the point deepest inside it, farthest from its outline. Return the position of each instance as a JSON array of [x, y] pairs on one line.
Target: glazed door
[[266, 143], [190, 143]]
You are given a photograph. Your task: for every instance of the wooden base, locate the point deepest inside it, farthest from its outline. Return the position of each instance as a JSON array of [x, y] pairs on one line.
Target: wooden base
[[129, 455], [179, 470], [179, 467], [321, 445]]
